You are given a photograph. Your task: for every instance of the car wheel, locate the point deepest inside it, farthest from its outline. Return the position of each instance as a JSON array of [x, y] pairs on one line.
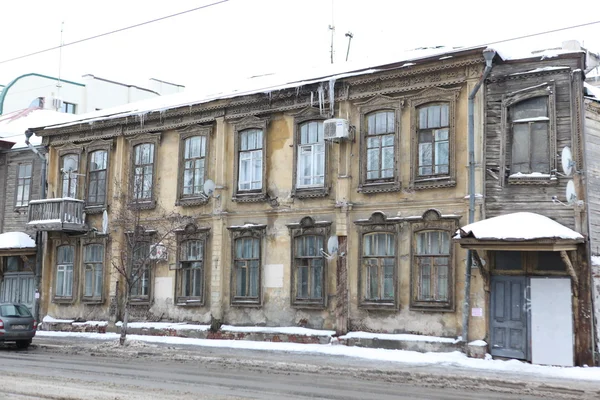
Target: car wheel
[[23, 344]]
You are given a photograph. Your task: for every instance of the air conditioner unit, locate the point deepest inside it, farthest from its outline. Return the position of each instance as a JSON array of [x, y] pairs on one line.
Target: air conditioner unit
[[336, 129], [57, 103]]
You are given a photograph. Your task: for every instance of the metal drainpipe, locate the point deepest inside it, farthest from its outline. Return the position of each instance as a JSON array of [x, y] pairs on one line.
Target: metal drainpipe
[[39, 235], [488, 54]]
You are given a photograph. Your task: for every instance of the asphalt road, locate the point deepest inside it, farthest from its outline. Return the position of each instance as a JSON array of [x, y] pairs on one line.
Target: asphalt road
[[53, 370]]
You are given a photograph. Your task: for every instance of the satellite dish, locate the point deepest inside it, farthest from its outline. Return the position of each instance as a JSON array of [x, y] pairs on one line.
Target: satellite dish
[[570, 192], [332, 244], [104, 222], [209, 188], [70, 164], [567, 161]]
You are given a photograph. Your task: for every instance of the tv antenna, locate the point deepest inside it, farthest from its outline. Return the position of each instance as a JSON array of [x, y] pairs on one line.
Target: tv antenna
[[349, 35], [332, 29], [58, 84]]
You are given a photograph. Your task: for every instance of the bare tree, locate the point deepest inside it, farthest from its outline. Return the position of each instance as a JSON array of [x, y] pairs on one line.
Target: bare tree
[[147, 237]]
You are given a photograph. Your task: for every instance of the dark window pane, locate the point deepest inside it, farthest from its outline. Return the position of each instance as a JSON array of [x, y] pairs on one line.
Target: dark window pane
[[508, 260]]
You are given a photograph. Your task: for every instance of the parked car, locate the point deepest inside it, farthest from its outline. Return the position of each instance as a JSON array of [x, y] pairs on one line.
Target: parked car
[[16, 324]]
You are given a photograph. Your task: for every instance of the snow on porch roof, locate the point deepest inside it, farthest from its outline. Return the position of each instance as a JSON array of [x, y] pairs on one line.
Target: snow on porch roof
[[516, 227], [16, 240]]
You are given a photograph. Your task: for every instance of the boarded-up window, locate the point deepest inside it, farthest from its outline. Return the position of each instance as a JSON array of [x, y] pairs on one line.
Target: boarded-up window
[[530, 136]]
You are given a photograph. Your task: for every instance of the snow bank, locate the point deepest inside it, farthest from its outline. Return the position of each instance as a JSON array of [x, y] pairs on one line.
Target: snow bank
[[449, 359], [399, 337], [518, 226], [593, 91], [292, 330], [52, 320], [16, 240], [164, 325], [478, 343]]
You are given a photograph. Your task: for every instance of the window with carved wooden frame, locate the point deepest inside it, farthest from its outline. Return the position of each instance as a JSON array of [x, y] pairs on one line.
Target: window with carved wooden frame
[[193, 168], [433, 137], [379, 145], [309, 265], [97, 175], [65, 274], [246, 264], [192, 271], [250, 162], [69, 181], [529, 136], [143, 161], [24, 173], [378, 269], [141, 267], [432, 262], [93, 266], [310, 177]]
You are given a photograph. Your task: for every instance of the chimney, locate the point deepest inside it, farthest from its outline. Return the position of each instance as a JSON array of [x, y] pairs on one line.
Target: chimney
[[571, 45]]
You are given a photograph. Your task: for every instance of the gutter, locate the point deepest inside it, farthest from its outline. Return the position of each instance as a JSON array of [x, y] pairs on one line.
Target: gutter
[[488, 54], [39, 234]]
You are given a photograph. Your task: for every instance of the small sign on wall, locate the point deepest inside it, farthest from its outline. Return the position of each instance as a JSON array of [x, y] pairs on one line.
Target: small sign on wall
[[477, 312], [274, 275]]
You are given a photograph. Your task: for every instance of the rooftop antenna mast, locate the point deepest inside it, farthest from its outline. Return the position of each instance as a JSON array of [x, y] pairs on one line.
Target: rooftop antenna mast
[[58, 83], [332, 29], [349, 35]]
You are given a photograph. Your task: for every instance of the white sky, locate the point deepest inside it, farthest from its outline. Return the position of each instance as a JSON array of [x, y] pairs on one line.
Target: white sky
[[242, 38]]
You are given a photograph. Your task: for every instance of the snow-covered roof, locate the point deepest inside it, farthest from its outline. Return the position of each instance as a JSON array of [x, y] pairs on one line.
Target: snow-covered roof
[[592, 91], [517, 227], [16, 240], [14, 124]]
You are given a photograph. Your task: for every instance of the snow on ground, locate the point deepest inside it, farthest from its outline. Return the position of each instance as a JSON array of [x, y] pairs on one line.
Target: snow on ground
[[400, 336], [403, 356], [518, 226], [285, 330], [164, 325], [16, 240]]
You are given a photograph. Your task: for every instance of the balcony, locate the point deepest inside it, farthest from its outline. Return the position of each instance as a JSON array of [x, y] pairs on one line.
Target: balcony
[[57, 215]]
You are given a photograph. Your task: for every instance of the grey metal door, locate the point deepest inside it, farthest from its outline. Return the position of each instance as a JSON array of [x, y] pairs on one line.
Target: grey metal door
[[18, 288], [508, 317]]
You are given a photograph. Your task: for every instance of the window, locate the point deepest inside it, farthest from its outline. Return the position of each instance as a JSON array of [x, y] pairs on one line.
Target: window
[[193, 168], [13, 264], [250, 160], [70, 172], [309, 266], [432, 266], [378, 262], [143, 171], [380, 145], [98, 162], [432, 257], [246, 269], [311, 156], [433, 131], [64, 271], [191, 270], [93, 264], [530, 127], [23, 184], [250, 168], [528, 140], [140, 272], [433, 140], [68, 108]]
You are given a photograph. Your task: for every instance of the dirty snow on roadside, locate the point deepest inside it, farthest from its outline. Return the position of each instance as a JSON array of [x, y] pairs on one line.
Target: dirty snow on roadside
[[403, 356]]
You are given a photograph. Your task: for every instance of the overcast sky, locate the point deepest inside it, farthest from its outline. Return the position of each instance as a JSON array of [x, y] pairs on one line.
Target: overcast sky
[[242, 38]]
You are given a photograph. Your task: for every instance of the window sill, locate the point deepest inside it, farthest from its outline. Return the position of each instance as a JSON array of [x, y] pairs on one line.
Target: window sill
[[309, 305], [63, 300], [191, 201], [139, 301], [379, 306], [142, 205], [92, 300], [432, 306], [433, 183], [310, 192], [94, 209], [254, 303], [383, 187], [21, 208], [530, 180], [253, 197], [189, 302]]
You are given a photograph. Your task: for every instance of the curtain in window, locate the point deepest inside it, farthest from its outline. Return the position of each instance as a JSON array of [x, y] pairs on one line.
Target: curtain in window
[[64, 271], [311, 156], [70, 170], [250, 159], [434, 157], [432, 260]]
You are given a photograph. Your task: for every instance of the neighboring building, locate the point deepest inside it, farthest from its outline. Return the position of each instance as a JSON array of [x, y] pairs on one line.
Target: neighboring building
[[93, 93], [391, 190]]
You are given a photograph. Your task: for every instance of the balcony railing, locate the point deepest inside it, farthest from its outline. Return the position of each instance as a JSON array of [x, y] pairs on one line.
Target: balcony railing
[[57, 215]]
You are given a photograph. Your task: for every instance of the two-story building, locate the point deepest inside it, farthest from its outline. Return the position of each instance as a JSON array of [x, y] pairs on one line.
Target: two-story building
[[333, 203]]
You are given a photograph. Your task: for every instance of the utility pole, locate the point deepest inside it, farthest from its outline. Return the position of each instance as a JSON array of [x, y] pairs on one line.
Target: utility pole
[[332, 29]]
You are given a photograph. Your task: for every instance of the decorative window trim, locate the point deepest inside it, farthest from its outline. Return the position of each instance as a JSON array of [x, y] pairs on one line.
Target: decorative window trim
[[134, 141], [186, 133], [427, 96], [61, 152], [548, 90], [250, 122], [378, 222], [433, 220], [107, 146], [86, 242], [75, 276], [192, 232], [308, 226], [18, 166], [256, 231], [379, 103], [306, 115]]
